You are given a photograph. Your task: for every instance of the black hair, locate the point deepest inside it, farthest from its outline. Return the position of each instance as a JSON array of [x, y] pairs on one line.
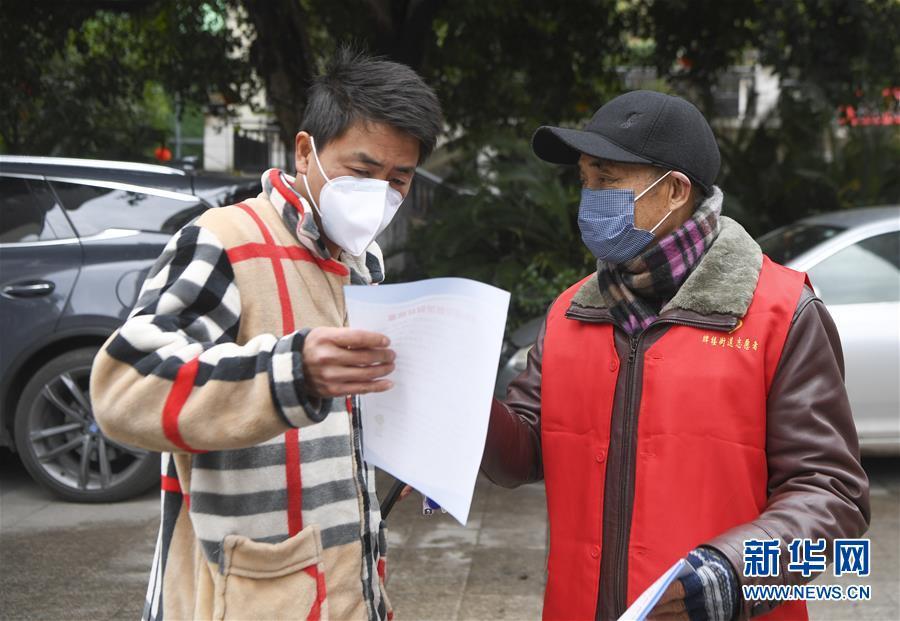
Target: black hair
[[356, 87]]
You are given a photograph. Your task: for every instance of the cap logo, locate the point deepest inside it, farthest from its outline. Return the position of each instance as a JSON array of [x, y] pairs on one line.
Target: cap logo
[[632, 119]]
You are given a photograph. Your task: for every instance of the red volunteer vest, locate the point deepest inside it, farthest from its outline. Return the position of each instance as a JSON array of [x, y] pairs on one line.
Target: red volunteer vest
[[700, 464]]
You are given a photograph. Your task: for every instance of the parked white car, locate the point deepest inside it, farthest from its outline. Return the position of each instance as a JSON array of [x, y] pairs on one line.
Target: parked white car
[[853, 260]]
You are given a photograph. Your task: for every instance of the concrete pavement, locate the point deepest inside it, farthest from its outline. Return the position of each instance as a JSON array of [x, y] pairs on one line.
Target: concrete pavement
[[61, 560], [491, 569]]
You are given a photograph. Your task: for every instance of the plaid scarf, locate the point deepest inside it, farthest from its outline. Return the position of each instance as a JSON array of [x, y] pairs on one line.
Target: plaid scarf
[[636, 290]]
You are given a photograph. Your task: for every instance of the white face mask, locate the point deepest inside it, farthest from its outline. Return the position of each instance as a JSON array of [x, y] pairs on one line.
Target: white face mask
[[354, 210]]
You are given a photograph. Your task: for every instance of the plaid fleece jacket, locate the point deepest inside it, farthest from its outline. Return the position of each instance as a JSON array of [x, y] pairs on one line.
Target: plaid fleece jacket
[[268, 510]]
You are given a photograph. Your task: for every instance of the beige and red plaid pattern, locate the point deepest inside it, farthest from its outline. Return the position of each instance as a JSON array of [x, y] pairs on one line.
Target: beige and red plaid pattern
[[208, 369]]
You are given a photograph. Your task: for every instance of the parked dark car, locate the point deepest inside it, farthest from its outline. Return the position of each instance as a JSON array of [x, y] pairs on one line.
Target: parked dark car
[[77, 238]]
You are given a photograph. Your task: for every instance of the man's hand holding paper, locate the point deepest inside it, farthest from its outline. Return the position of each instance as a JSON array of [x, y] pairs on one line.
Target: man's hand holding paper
[[345, 361]]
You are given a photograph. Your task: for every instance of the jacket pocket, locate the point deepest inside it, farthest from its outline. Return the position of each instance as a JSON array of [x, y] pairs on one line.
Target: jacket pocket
[[271, 581]]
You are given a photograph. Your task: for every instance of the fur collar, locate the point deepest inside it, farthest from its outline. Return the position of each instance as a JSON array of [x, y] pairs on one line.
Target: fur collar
[[724, 281]]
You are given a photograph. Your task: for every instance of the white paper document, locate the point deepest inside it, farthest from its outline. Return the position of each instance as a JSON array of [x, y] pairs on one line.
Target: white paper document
[[429, 429], [647, 600]]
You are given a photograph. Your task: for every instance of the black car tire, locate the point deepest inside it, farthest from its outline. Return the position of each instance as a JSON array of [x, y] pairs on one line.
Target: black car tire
[[53, 426]]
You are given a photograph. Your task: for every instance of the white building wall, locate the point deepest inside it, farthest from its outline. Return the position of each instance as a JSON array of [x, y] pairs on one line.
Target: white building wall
[[767, 91], [218, 144], [218, 138]]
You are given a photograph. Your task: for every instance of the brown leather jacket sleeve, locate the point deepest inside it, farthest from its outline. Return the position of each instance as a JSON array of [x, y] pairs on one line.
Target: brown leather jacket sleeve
[[817, 487], [512, 451]]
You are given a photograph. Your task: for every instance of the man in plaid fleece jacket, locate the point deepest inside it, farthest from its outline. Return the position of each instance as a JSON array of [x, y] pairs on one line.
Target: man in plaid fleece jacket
[[237, 365]]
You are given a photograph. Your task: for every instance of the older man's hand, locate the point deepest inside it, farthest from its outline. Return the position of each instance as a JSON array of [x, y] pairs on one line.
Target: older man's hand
[[710, 593], [671, 606], [345, 361]]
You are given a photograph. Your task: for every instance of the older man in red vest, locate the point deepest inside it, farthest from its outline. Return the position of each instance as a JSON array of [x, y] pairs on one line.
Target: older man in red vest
[[682, 400]]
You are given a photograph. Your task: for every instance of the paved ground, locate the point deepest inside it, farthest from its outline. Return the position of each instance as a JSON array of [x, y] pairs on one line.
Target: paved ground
[[65, 561], [62, 560]]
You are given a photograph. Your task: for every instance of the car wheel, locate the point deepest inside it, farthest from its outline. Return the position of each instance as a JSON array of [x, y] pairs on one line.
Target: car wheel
[[61, 445]]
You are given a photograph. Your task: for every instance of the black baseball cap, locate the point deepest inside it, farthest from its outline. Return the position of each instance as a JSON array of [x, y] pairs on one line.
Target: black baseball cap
[[640, 127]]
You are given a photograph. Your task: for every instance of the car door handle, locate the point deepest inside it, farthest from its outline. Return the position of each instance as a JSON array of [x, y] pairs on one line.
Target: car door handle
[[29, 289]]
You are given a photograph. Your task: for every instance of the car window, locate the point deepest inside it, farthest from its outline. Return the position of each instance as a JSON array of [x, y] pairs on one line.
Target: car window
[[94, 209], [23, 211], [867, 271], [789, 242]]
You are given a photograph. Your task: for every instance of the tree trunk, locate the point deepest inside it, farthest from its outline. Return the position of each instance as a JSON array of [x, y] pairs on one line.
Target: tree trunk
[[282, 56], [402, 28]]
